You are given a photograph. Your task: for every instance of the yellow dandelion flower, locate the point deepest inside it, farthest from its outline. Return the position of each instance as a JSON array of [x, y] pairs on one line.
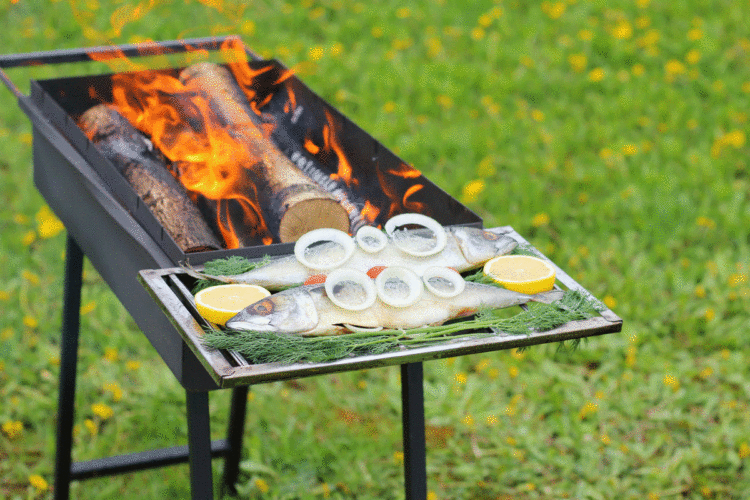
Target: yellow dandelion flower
[[596, 75], [605, 439], [362, 385], [32, 278], [671, 382], [88, 307], [493, 373], [460, 378], [744, 450], [403, 12], [642, 4], [610, 301], [486, 167], [706, 372], [737, 279], [517, 353], [336, 49], [700, 291], [444, 101], [315, 53], [577, 62], [519, 455], [587, 410], [48, 223], [261, 485], [477, 33], [642, 22], [706, 222], [485, 20], [110, 354], [38, 482], [20, 218], [513, 371], [693, 56], [472, 189], [468, 421], [605, 153], [629, 149], [102, 410], [491, 420], [6, 334], [28, 238], [12, 429], [709, 314], [649, 39], [554, 10], [389, 107], [638, 69], [540, 219], [695, 34], [376, 32], [113, 389], [583, 198], [511, 441], [431, 495], [398, 457], [132, 365], [622, 30], [586, 35]]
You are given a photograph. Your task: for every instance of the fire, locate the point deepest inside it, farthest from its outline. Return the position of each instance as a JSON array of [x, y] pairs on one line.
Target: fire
[[208, 159], [370, 212], [331, 143]]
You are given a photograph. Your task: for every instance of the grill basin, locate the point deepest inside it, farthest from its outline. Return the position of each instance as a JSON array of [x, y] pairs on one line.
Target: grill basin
[[119, 234]]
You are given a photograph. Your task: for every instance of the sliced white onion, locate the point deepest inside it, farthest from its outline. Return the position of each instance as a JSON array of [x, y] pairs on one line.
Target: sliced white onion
[[371, 239], [321, 235], [421, 220], [341, 276], [395, 276], [363, 328], [455, 285]]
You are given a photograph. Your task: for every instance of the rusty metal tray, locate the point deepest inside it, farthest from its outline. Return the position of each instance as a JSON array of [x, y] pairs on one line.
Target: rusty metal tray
[[229, 369]]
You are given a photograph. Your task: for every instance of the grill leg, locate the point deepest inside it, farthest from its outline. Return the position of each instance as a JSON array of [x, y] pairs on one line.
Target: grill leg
[[68, 365], [415, 460], [199, 446], [234, 438]]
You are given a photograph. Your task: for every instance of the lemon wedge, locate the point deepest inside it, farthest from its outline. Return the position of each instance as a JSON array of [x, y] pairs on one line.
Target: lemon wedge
[[521, 273], [219, 303]]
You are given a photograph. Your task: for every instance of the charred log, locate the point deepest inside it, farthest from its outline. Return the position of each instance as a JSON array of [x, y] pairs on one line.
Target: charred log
[[294, 203], [147, 172]]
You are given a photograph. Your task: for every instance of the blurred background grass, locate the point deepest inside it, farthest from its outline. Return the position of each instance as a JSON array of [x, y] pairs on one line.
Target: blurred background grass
[[613, 135]]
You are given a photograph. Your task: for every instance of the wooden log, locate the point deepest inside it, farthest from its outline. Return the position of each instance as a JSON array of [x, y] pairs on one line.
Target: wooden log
[[147, 172], [294, 203]]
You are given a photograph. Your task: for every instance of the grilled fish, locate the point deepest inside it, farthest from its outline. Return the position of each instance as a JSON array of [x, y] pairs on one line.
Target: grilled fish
[[307, 310], [466, 248]]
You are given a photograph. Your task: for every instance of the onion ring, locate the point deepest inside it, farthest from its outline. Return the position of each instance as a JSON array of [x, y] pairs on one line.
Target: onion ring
[[323, 234], [358, 277], [448, 274], [369, 233], [405, 275], [422, 220]]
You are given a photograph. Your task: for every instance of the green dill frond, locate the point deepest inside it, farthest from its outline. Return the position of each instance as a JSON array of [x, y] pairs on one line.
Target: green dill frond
[[226, 267]]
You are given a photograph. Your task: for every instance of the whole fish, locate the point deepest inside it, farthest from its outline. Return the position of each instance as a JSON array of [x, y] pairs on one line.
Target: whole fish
[[307, 310], [466, 248]]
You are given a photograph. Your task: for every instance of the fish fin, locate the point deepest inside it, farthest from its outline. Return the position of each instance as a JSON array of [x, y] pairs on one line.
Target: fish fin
[[191, 271], [548, 297]]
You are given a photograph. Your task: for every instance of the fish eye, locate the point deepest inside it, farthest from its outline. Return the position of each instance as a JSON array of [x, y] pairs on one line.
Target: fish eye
[[263, 308], [490, 236]]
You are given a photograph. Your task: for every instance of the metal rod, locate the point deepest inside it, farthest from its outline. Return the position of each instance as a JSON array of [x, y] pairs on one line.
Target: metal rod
[[61, 56], [68, 367], [132, 462], [234, 438], [415, 447], [199, 446]]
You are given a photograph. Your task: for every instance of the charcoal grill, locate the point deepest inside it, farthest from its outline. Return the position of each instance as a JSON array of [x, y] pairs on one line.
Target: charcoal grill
[[112, 227]]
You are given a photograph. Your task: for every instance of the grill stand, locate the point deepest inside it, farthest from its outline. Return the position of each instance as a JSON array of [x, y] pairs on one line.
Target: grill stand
[[200, 449]]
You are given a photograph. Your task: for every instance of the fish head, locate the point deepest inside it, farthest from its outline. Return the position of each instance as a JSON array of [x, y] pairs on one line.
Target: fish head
[[290, 311], [479, 245]]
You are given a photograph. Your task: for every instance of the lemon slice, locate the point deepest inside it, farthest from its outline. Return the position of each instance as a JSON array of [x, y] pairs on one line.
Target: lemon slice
[[521, 273], [219, 303]]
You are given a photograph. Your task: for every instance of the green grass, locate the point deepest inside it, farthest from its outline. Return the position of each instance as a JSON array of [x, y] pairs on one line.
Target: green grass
[[612, 135]]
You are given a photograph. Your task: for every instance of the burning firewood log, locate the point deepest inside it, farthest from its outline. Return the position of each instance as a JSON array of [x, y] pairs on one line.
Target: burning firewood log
[[294, 203], [146, 171]]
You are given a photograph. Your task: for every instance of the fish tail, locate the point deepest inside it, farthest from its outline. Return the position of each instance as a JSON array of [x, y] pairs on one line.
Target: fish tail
[[191, 271], [548, 297]]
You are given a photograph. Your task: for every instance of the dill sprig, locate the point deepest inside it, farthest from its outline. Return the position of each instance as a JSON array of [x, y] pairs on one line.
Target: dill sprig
[[268, 347], [226, 267]]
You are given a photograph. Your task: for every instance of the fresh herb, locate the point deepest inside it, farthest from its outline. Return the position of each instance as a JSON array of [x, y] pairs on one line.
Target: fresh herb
[[225, 267], [267, 347]]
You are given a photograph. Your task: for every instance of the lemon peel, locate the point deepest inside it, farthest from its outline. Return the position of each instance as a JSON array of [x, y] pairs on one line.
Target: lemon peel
[[219, 303], [521, 273]]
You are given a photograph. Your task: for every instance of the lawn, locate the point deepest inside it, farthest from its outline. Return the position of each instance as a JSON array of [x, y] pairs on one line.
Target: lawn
[[612, 135]]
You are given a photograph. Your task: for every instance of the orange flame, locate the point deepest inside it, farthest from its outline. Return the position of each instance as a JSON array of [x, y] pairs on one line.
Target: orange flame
[[181, 124], [331, 143], [370, 212]]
